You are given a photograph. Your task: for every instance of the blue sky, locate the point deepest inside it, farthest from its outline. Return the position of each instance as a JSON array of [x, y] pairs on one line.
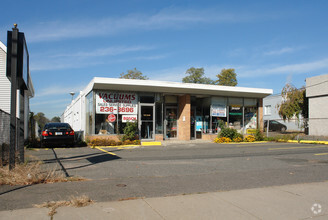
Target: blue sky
[[268, 43]]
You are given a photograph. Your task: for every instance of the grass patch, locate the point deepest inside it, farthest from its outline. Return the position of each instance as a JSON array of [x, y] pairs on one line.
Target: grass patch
[[31, 173], [75, 201]]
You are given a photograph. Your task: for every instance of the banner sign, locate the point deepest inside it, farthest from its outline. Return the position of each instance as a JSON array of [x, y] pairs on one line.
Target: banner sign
[[116, 102], [129, 118], [218, 110]]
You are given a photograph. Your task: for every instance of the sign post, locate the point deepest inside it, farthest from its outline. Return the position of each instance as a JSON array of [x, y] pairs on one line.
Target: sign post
[[18, 74], [13, 103]]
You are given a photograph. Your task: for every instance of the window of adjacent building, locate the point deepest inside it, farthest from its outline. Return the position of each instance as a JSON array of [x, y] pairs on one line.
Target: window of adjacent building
[[267, 110]]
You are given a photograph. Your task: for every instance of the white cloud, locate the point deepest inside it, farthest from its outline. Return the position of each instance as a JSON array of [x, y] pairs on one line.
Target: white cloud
[[58, 90], [298, 68], [109, 51], [166, 19], [51, 102], [281, 51]]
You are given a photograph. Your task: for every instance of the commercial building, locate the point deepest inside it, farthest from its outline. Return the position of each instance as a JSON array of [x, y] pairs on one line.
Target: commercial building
[[164, 110], [317, 94]]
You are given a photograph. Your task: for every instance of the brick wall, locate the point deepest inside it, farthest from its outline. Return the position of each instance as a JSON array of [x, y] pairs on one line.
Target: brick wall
[[184, 118], [260, 122]]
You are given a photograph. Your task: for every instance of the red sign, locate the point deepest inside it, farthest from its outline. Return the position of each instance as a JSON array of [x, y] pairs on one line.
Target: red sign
[[111, 118]]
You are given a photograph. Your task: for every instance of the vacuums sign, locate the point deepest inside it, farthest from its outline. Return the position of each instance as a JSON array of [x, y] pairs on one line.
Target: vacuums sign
[[116, 102]]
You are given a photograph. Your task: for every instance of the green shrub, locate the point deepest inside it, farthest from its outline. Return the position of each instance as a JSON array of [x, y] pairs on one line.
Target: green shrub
[[258, 135], [130, 131], [228, 133]]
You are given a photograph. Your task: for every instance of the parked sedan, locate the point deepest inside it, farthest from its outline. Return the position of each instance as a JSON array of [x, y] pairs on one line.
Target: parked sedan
[[275, 126], [57, 134]]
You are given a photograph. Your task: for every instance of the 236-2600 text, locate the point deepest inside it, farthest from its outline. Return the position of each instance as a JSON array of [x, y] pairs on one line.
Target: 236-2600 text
[[120, 109]]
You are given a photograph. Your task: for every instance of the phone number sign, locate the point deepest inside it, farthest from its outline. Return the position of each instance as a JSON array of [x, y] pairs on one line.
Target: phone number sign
[[113, 103]]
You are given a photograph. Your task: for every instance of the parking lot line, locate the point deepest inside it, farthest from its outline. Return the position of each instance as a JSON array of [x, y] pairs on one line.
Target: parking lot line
[[321, 154], [290, 148], [105, 151]]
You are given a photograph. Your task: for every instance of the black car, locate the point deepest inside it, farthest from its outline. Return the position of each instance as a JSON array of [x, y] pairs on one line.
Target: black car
[[57, 134], [275, 126]]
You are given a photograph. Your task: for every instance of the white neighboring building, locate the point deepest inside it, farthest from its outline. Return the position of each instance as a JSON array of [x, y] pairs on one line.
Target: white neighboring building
[[4, 81], [317, 93], [270, 112], [5, 90]]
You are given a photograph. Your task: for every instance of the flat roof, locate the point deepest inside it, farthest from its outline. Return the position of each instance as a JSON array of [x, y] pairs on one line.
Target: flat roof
[[99, 83]]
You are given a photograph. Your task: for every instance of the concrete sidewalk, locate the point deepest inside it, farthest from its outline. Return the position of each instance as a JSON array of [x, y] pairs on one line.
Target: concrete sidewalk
[[301, 201]]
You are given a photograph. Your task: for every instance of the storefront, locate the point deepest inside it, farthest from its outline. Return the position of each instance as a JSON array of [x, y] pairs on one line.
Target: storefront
[[164, 110]]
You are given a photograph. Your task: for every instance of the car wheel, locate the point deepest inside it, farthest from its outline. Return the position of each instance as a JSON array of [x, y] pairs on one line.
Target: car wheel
[[283, 130]]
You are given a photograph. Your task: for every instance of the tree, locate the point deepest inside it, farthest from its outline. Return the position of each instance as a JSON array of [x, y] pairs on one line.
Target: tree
[[227, 77], [55, 119], [133, 74], [196, 75], [41, 119], [294, 103]]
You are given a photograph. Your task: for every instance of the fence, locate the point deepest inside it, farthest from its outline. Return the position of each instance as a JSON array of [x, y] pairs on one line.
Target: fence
[[5, 139], [4, 136], [304, 128], [4, 127]]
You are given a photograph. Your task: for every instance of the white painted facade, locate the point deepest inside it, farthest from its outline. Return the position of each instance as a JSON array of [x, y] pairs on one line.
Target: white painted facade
[[317, 93], [75, 112], [4, 81]]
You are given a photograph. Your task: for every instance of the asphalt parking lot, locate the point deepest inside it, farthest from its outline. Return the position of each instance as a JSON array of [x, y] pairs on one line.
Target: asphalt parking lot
[[156, 171]]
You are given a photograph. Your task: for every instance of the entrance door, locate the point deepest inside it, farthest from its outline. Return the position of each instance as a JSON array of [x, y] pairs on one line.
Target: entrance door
[[171, 123], [147, 123]]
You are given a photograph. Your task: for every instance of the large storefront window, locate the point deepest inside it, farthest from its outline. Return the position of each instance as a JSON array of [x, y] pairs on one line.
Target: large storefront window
[[250, 113], [159, 118], [236, 113], [113, 110], [218, 114]]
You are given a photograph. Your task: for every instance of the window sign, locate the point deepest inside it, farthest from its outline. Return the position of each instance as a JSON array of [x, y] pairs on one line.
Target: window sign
[[129, 118], [218, 110], [199, 123], [116, 102]]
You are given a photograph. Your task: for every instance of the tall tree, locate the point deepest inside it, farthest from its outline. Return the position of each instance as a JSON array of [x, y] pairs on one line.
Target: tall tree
[[41, 119], [133, 74], [294, 103], [196, 75], [227, 77], [55, 119]]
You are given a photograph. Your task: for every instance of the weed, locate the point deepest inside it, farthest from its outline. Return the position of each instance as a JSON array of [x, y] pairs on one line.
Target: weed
[[31, 173], [80, 201]]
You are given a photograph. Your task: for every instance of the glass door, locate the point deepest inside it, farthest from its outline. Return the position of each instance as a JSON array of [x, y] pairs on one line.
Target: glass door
[[171, 123], [193, 123], [147, 123]]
